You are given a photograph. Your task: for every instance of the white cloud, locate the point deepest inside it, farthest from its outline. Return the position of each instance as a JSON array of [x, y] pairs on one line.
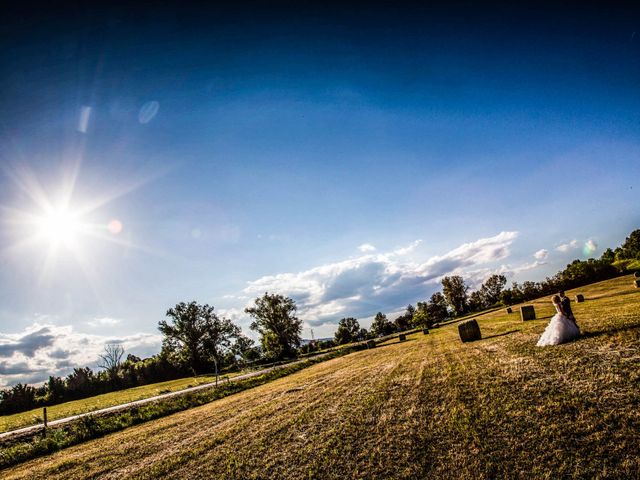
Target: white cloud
[[44, 349], [541, 254], [565, 247], [590, 247], [104, 322], [408, 249], [364, 285], [367, 247]]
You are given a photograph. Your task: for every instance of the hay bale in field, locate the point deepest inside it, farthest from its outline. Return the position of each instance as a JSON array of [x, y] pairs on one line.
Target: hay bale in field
[[637, 283], [371, 344], [469, 331], [402, 337], [527, 312], [579, 298], [509, 310], [637, 274], [425, 331]]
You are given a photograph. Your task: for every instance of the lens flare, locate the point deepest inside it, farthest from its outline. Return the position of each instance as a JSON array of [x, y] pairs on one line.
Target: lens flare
[[114, 226]]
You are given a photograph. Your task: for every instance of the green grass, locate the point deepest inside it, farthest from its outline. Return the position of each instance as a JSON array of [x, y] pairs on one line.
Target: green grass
[[429, 407], [62, 410]]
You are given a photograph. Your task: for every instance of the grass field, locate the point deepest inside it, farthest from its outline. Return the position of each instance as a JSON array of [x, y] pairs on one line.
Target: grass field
[[428, 407], [11, 422]]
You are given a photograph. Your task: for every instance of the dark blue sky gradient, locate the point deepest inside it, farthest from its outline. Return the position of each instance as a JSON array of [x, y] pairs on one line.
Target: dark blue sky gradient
[[287, 135]]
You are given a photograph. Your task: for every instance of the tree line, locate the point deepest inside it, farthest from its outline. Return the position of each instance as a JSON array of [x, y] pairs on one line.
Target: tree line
[[196, 340]]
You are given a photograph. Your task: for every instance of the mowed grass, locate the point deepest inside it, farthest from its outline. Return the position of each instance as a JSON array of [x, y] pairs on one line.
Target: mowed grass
[[12, 422], [430, 407]]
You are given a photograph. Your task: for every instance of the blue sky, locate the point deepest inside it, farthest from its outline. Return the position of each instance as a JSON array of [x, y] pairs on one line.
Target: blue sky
[[251, 150]]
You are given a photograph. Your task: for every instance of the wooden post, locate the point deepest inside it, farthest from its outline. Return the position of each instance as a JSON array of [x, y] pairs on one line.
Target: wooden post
[[44, 417]]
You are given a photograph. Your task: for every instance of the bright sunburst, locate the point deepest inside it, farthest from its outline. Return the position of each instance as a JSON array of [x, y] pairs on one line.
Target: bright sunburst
[[60, 226]]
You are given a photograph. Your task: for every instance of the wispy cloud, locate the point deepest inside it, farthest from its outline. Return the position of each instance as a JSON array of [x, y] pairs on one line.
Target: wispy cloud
[[104, 322], [565, 247], [366, 247], [541, 254]]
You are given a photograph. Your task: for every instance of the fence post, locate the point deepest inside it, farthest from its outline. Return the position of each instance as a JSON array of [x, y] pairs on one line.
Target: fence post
[[44, 416]]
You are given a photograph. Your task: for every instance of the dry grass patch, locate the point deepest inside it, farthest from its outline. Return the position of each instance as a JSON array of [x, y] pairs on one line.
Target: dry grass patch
[[430, 407]]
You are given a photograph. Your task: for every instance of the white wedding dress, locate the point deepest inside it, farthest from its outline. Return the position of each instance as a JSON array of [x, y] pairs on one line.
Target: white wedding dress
[[560, 330]]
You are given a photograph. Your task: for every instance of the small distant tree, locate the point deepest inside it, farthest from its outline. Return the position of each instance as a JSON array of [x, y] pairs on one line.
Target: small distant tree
[[347, 332], [381, 326], [279, 328], [455, 292], [363, 334], [491, 289], [405, 321], [111, 359], [477, 301], [436, 309]]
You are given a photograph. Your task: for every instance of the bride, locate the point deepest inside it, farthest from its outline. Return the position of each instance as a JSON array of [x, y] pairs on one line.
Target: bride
[[561, 328]]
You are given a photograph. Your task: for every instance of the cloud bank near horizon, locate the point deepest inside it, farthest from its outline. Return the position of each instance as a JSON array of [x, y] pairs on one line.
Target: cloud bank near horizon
[[41, 350], [369, 283]]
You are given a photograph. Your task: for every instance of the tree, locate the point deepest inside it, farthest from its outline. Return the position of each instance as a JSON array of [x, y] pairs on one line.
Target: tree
[[111, 359], [437, 308], [477, 301], [381, 326], [491, 289], [455, 292], [348, 331], [279, 328], [196, 335], [630, 249], [405, 321]]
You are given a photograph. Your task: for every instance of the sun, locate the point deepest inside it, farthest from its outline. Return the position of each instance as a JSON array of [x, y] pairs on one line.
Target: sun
[[60, 226]]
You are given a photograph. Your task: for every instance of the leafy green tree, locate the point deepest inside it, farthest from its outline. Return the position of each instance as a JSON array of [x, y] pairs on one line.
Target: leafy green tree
[[405, 321], [630, 249], [197, 336], [455, 292], [491, 289], [279, 328], [348, 331], [381, 326], [436, 308], [477, 301]]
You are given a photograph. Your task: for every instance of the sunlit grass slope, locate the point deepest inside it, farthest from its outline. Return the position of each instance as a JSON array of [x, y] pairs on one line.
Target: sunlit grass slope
[[11, 422], [430, 407]]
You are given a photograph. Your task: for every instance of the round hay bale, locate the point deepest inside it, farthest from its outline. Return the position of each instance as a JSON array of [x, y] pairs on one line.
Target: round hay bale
[[637, 274], [469, 331], [425, 331], [509, 310], [402, 337], [527, 312], [371, 344], [637, 283], [579, 298]]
